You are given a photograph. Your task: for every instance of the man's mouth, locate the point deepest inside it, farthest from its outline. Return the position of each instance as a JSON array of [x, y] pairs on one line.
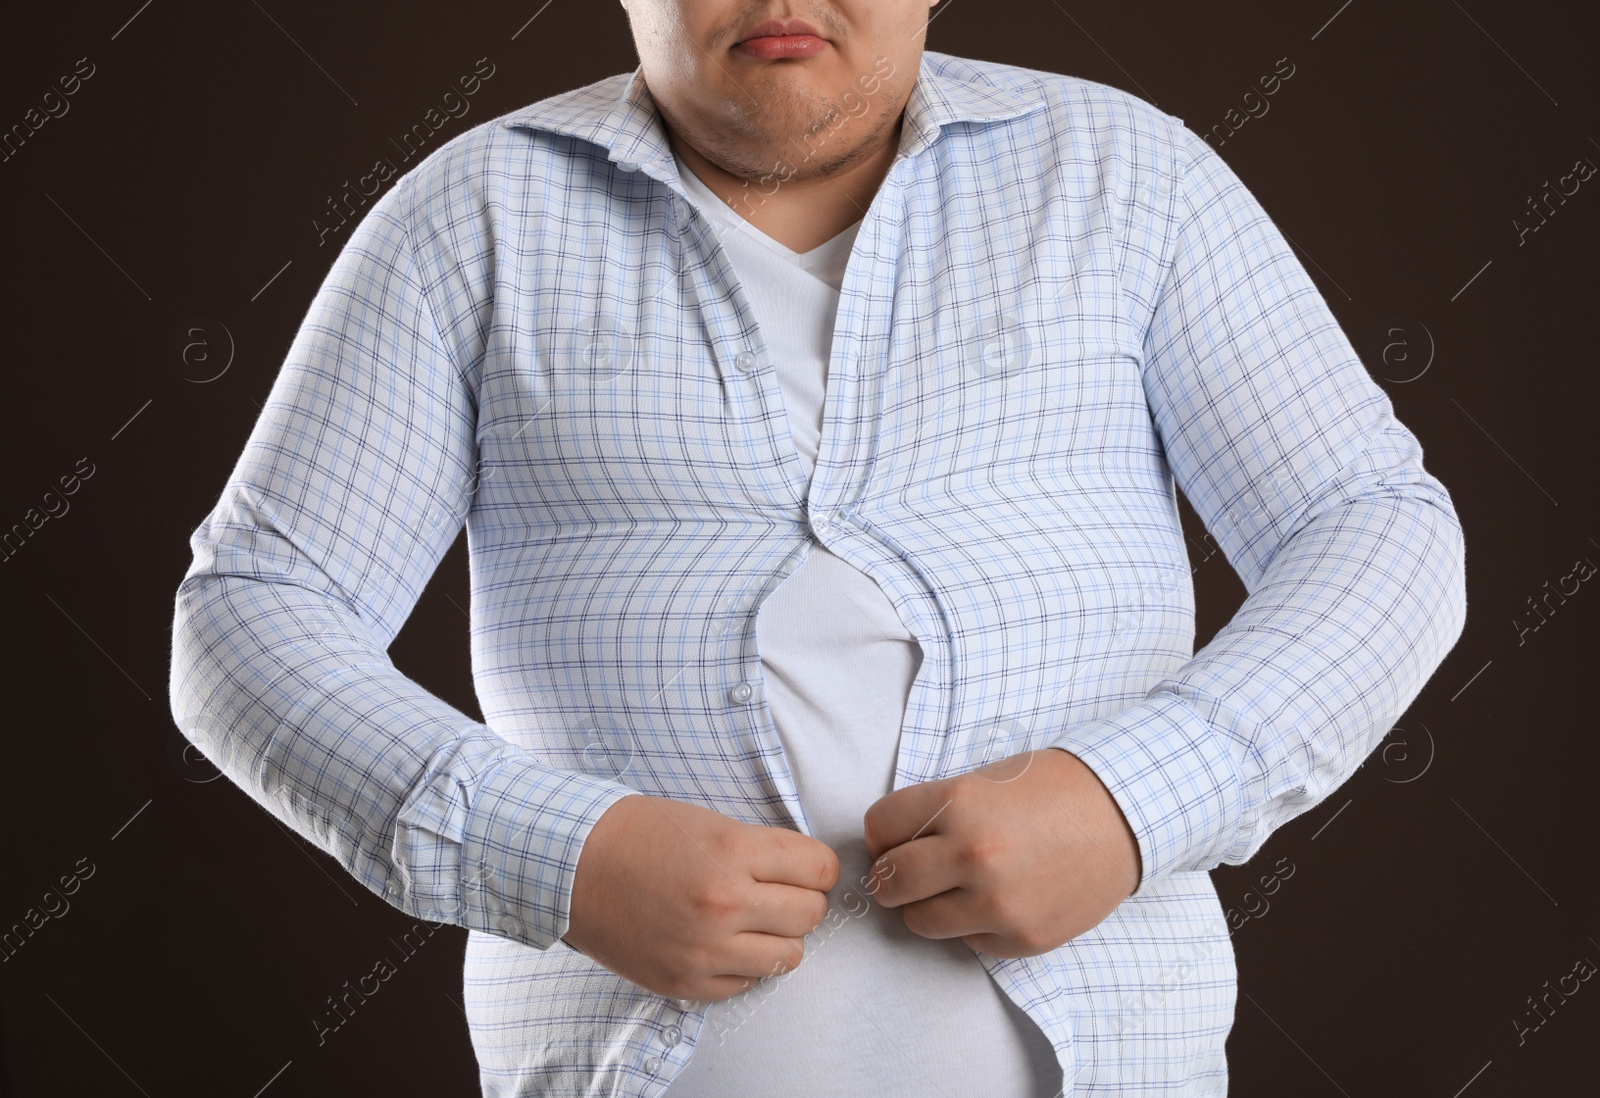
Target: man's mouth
[[779, 39], [782, 28]]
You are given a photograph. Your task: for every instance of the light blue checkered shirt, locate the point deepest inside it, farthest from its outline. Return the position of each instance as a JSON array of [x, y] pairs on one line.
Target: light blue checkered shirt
[[1060, 302]]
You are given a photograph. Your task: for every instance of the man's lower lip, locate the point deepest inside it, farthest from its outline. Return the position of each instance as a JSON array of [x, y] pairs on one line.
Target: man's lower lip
[[777, 46]]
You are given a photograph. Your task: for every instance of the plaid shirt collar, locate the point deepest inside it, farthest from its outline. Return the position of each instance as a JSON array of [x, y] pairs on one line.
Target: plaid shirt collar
[[618, 114]]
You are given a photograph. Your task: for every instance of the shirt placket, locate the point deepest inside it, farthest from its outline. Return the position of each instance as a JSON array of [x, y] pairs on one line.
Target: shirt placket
[[858, 379], [748, 373]]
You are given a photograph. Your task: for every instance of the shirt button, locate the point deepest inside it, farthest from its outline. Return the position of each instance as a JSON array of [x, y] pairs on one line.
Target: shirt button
[[627, 165], [671, 1036], [822, 522], [509, 924], [745, 361], [652, 1065], [681, 208], [741, 693]]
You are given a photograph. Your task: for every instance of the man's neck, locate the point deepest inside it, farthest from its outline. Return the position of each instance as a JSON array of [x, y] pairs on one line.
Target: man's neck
[[799, 214]]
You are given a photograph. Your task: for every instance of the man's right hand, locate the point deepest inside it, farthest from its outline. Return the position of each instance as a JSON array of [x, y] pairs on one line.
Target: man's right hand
[[691, 904]]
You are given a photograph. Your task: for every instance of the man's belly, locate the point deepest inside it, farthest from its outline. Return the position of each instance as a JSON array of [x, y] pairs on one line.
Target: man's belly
[[873, 1008]]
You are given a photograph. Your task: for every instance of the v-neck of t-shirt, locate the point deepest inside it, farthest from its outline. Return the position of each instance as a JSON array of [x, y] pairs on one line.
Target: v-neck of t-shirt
[[826, 261]]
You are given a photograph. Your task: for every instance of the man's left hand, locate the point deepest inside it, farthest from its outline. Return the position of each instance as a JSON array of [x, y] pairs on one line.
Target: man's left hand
[[1014, 858]]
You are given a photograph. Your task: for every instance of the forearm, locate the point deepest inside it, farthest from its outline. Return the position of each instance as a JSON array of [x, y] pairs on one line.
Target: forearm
[[283, 687], [1352, 614]]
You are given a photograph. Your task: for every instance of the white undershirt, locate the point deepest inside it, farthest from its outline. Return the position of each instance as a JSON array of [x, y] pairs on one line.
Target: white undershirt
[[873, 1009]]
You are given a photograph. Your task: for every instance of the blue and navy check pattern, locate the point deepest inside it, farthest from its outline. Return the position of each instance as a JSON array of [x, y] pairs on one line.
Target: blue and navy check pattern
[[1061, 304]]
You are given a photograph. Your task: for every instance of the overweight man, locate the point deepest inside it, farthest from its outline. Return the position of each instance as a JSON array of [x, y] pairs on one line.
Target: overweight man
[[815, 407]]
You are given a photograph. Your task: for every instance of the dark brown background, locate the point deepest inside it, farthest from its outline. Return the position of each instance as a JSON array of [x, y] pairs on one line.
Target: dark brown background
[[1443, 885]]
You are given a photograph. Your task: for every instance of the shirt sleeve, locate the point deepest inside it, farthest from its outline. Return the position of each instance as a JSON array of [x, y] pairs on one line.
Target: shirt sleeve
[[354, 482], [1351, 554]]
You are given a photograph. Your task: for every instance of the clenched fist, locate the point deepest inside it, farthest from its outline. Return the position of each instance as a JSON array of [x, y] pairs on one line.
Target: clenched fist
[[691, 904], [1014, 858]]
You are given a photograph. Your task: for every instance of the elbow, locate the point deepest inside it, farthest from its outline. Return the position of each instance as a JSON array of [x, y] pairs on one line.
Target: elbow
[[1449, 562], [195, 673], [1437, 543]]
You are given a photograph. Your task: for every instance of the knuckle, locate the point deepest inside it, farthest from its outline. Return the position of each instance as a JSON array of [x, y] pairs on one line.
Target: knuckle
[[980, 853], [712, 902], [973, 853], [727, 844], [963, 789]]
